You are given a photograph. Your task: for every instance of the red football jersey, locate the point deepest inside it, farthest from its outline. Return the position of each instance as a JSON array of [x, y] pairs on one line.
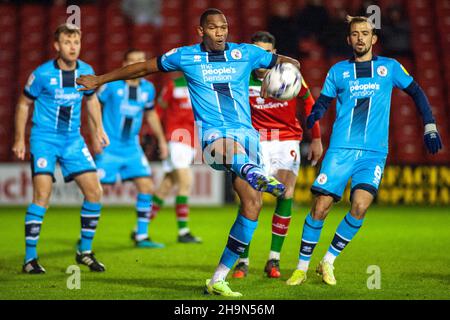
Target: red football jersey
[[275, 119], [178, 116]]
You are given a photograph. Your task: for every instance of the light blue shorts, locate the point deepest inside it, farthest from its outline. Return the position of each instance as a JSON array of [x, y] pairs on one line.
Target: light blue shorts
[[364, 167], [69, 150], [127, 161]]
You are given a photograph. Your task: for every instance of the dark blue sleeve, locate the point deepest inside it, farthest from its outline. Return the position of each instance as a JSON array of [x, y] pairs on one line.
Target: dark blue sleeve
[[322, 104], [421, 101]]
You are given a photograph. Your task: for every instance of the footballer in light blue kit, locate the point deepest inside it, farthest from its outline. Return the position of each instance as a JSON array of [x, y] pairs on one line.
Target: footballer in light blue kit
[[125, 105], [217, 74], [55, 137], [359, 142]]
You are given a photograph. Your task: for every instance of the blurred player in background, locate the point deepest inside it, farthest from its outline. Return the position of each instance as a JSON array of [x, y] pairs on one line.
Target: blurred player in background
[[125, 105], [359, 142], [55, 137], [218, 76], [179, 130], [281, 134]]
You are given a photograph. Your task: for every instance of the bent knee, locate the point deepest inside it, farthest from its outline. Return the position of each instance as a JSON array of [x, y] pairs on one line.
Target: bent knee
[[321, 209], [252, 206], [94, 194], [359, 209]]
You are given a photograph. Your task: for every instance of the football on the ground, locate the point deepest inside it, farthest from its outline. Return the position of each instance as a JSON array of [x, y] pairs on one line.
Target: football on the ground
[[283, 81]]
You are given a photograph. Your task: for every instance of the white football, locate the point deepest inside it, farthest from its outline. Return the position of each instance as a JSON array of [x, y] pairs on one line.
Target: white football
[[283, 82]]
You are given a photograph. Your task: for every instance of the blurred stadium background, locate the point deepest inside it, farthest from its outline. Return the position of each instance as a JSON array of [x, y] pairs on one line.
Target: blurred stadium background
[[111, 27]]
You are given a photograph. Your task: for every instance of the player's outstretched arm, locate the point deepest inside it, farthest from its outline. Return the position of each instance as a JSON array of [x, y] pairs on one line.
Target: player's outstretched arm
[[286, 59], [132, 71], [21, 117], [155, 123], [95, 122]]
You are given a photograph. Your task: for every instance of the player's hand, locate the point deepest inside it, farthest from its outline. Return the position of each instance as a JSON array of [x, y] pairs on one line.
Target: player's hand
[[312, 118], [19, 149], [89, 82], [264, 93], [432, 138], [102, 138], [163, 149], [315, 151]]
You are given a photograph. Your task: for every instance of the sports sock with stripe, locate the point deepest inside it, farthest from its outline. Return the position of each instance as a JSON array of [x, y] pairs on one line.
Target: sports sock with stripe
[[310, 237], [280, 224], [182, 212], [33, 223], [345, 232], [90, 214], [157, 205], [240, 235], [143, 209]]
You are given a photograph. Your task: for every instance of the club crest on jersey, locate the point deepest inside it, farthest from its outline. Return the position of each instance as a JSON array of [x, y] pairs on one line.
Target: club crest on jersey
[[382, 71], [41, 163], [197, 58], [346, 75], [236, 54], [53, 81], [322, 179]]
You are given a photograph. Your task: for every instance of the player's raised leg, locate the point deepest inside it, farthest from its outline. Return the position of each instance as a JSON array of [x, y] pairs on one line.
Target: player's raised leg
[[144, 187], [227, 153], [312, 228], [42, 188], [239, 237], [90, 213]]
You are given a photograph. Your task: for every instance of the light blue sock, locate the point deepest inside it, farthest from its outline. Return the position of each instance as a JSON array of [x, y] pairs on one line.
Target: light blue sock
[[345, 232], [143, 209], [240, 235], [90, 213], [33, 223], [310, 237]]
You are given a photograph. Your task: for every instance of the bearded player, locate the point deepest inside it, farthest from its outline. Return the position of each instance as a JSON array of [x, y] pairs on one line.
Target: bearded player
[[218, 73], [179, 130], [359, 142], [281, 134]]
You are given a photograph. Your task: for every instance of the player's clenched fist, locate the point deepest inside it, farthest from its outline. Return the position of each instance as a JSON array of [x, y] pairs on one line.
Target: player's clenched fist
[[19, 149], [89, 82]]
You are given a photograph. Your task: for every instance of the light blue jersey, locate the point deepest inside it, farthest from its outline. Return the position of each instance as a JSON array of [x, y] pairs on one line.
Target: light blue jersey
[[218, 81], [123, 110], [57, 102], [55, 134], [124, 107], [363, 91]]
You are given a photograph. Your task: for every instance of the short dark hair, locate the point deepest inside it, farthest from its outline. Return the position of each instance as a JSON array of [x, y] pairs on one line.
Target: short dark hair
[[130, 51], [66, 28], [207, 13], [263, 36], [358, 19]]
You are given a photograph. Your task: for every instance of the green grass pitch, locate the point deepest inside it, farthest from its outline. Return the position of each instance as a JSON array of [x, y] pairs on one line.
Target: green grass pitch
[[410, 245]]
